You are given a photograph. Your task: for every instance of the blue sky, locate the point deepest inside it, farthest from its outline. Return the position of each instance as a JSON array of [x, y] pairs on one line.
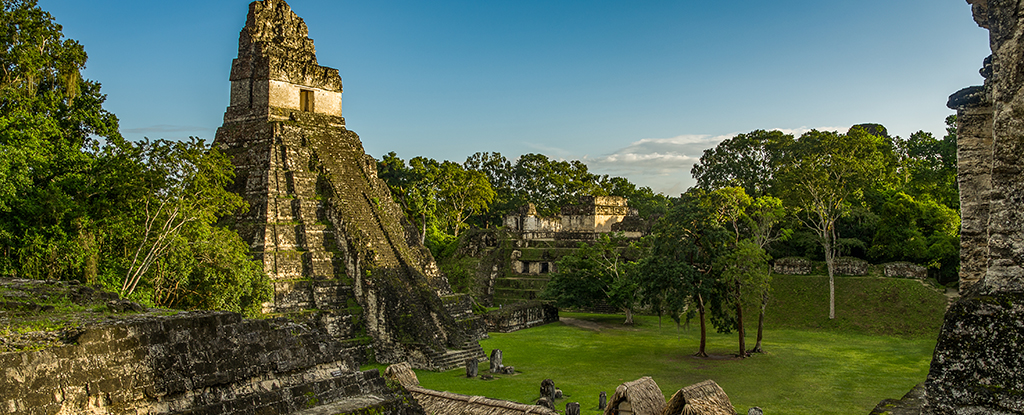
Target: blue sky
[[634, 89]]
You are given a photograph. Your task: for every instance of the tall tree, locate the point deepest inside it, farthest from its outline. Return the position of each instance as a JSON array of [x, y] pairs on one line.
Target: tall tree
[[762, 217], [49, 120], [184, 192], [728, 205], [743, 267], [685, 244], [827, 173], [74, 194], [461, 194], [500, 175], [750, 161], [931, 166]]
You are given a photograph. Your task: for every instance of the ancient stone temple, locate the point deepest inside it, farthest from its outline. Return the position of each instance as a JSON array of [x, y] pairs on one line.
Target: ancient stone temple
[[977, 366], [339, 250]]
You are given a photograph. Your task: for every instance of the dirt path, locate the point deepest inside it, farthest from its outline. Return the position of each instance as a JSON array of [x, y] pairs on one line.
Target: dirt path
[[594, 326], [583, 324]]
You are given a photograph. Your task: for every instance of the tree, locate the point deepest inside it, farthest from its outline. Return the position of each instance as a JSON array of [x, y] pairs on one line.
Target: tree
[[750, 161], [681, 267], [828, 170], [762, 216], [80, 202], [931, 166], [461, 194], [499, 174], [184, 191], [595, 273], [925, 232], [49, 120], [743, 266], [727, 206]]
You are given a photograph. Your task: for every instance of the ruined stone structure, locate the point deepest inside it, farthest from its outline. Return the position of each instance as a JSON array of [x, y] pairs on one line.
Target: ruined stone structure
[[196, 363], [593, 215], [520, 316], [538, 242], [339, 250], [977, 366]]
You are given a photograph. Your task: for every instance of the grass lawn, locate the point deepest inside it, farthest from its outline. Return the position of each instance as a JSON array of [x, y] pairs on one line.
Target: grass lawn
[[811, 367]]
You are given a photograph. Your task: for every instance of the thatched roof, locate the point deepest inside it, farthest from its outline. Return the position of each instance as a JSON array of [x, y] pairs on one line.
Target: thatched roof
[[402, 372], [705, 398], [643, 395], [447, 403]]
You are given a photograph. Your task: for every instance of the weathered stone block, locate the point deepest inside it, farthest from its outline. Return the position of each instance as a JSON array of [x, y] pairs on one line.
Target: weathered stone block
[[904, 270], [851, 266], [793, 266], [975, 367]]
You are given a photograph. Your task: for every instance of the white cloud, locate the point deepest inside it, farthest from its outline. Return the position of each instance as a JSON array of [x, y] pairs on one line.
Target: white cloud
[[664, 164]]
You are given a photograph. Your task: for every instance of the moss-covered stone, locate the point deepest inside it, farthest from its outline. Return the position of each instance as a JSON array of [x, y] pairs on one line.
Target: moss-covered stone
[[977, 364]]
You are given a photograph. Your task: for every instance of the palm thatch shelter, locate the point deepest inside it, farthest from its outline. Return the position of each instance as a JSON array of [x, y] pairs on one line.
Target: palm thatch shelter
[[705, 398], [438, 402], [638, 397]]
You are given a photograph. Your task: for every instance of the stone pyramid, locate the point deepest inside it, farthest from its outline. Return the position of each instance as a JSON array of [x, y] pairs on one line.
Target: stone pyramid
[[339, 250]]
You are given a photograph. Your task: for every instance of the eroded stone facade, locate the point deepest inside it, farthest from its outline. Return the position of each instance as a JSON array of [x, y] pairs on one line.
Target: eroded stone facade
[[339, 250], [977, 366], [195, 363], [591, 216]]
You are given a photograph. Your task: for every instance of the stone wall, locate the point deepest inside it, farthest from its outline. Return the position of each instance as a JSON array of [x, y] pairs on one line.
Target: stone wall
[[793, 266], [977, 367], [904, 270], [197, 363], [851, 266], [520, 316]]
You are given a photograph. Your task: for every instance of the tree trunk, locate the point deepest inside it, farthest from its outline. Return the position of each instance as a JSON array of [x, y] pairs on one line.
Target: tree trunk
[[423, 235], [739, 321], [629, 316], [830, 261], [703, 328], [760, 325]]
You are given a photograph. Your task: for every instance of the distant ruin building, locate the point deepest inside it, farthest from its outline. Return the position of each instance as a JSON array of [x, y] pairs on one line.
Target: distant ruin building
[[520, 269], [340, 252], [977, 366], [593, 215]]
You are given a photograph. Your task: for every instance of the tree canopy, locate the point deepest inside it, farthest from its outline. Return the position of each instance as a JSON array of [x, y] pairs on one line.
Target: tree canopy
[[79, 202]]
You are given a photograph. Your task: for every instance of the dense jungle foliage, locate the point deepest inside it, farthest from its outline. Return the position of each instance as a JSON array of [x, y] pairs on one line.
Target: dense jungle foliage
[[79, 202]]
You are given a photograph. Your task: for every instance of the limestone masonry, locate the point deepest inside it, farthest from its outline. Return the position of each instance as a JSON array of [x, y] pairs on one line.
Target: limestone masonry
[[339, 250], [195, 363], [977, 366]]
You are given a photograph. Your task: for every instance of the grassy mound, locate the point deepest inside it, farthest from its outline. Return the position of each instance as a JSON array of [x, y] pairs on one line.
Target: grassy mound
[[864, 305]]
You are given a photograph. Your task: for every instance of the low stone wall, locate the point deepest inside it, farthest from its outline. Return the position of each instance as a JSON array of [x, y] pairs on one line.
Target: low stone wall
[[904, 270], [199, 363], [793, 266], [851, 266], [520, 316]]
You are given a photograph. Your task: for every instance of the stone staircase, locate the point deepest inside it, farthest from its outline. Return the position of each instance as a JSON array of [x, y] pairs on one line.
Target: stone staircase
[[452, 359]]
